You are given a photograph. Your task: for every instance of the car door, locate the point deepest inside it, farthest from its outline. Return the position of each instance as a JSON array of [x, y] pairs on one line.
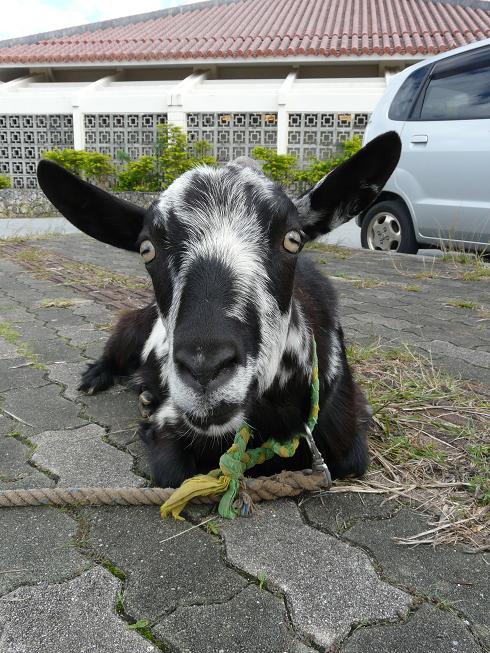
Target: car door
[[446, 143]]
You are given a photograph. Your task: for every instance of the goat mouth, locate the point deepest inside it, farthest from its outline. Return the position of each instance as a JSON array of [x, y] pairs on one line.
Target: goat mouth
[[218, 422]]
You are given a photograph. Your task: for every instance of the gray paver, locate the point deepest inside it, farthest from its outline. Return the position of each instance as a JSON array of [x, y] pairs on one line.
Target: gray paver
[[7, 350], [118, 408], [35, 547], [328, 584], [80, 458], [69, 375], [17, 373], [443, 572], [336, 512], [252, 621], [15, 472], [43, 409], [429, 630], [161, 575], [77, 615], [81, 336]]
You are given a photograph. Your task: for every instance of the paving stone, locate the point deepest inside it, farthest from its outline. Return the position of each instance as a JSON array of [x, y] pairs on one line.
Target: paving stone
[[80, 458], [480, 359], [336, 512], [140, 454], [14, 470], [252, 621], [18, 314], [52, 350], [161, 573], [7, 425], [94, 311], [42, 409], [328, 584], [69, 375], [81, 336], [94, 350], [117, 407], [17, 373], [429, 630], [35, 547], [77, 615], [443, 572], [53, 317], [7, 350]]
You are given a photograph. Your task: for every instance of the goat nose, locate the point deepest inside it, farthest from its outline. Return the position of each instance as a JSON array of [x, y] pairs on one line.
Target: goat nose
[[203, 367]]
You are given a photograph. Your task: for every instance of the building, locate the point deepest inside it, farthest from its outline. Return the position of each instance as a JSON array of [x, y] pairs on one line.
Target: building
[[296, 75]]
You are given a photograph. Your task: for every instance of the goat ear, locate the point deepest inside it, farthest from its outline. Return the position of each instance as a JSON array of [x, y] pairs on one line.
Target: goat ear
[[92, 210], [350, 188]]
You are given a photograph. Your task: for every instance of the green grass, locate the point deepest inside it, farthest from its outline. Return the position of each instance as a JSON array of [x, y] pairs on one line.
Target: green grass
[[461, 303], [412, 287], [58, 302], [13, 337], [337, 251], [368, 283], [262, 577]]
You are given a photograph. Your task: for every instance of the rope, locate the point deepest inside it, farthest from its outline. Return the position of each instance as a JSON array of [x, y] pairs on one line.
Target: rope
[[264, 488]]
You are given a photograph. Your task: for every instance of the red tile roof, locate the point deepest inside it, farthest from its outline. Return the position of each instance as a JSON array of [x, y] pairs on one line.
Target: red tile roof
[[244, 29]]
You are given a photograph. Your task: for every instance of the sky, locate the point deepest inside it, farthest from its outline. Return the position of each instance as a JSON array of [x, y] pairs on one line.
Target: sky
[[24, 17]]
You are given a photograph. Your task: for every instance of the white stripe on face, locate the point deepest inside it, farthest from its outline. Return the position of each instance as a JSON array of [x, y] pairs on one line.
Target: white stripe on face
[[156, 342]]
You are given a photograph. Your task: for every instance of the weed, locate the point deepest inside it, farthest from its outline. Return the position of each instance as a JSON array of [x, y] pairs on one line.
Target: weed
[[461, 303], [115, 571], [212, 527], [368, 283], [141, 623], [58, 302], [262, 577], [12, 336], [480, 271], [412, 287]]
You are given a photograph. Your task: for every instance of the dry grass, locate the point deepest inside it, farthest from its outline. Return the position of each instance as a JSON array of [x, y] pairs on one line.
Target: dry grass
[[429, 444]]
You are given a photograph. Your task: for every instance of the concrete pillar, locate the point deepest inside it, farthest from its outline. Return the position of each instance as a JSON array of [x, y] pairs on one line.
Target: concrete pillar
[[282, 113], [78, 128]]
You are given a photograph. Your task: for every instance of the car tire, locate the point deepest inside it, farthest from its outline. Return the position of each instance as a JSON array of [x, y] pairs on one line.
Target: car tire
[[387, 226]]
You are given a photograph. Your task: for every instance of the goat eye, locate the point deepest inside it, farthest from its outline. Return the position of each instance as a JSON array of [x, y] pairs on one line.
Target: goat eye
[[147, 251], [292, 242]]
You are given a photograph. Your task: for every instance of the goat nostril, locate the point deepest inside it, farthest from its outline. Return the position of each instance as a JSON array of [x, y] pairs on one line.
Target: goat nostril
[[213, 367]]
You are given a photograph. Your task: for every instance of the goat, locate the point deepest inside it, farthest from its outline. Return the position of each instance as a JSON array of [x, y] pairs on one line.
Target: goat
[[228, 338]]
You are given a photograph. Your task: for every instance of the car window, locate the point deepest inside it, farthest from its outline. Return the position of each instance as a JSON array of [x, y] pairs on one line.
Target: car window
[[460, 91], [407, 93]]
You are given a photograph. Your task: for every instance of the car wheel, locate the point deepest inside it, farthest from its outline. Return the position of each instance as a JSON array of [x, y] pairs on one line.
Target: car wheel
[[387, 226]]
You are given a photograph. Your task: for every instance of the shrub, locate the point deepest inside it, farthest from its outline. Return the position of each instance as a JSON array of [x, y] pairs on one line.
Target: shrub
[[92, 166], [279, 167], [317, 169], [172, 156], [283, 167], [5, 182]]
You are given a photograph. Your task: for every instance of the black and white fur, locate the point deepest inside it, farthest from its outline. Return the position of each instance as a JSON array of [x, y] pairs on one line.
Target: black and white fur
[[228, 338]]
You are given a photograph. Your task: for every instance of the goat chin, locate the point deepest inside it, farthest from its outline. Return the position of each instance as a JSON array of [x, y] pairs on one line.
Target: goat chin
[[216, 430]]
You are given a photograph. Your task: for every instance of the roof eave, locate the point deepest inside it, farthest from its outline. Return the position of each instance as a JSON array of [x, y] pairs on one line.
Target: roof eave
[[223, 61]]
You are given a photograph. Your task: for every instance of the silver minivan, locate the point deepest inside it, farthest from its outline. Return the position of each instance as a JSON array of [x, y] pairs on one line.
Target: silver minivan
[[439, 195]]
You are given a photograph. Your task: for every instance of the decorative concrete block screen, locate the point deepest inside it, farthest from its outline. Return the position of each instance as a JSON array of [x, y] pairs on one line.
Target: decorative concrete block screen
[[131, 133], [23, 139], [233, 134], [318, 135]]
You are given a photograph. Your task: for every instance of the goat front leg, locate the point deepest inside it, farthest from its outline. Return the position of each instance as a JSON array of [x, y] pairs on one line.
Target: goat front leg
[[170, 461], [122, 352]]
